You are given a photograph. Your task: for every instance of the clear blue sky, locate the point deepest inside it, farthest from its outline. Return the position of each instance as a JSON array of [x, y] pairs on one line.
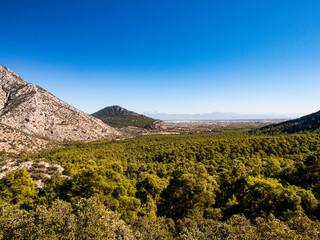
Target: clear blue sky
[[168, 56]]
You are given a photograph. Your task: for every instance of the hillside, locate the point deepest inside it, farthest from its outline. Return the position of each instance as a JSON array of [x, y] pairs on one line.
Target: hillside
[[117, 116], [31, 109], [308, 123], [15, 141]]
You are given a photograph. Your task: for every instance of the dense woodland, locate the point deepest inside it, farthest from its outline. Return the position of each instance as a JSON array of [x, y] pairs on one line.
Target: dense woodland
[[224, 185]]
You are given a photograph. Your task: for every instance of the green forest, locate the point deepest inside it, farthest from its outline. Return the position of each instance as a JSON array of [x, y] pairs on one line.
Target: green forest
[[225, 185]]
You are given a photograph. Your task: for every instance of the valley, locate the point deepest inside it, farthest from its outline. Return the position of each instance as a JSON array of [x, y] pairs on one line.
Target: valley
[[117, 174], [207, 126]]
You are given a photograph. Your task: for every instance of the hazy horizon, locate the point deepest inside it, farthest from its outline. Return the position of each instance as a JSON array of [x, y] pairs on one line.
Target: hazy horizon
[[219, 116], [182, 57]]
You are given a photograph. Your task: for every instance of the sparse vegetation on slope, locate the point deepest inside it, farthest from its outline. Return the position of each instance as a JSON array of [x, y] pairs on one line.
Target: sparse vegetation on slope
[[15, 141]]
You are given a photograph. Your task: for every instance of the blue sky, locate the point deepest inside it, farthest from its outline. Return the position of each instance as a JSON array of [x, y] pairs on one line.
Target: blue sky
[[168, 56]]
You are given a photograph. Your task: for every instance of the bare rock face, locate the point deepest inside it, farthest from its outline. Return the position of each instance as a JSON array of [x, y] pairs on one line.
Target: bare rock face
[[35, 111]]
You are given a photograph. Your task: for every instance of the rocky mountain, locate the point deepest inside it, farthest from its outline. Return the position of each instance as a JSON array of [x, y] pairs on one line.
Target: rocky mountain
[[33, 110], [117, 116], [306, 123]]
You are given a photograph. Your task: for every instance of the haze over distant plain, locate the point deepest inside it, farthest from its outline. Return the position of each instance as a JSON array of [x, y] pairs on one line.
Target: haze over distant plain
[[176, 57]]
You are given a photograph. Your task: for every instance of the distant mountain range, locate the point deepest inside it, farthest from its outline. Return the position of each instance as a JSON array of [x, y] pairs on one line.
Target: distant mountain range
[[117, 116], [32, 110], [308, 123], [217, 116]]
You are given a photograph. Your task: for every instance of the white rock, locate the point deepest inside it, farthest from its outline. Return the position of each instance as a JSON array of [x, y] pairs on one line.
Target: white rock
[[35, 111]]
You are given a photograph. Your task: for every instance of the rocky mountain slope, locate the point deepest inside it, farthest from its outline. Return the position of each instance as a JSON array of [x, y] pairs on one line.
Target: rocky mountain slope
[[308, 123], [117, 116], [15, 141], [33, 110]]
